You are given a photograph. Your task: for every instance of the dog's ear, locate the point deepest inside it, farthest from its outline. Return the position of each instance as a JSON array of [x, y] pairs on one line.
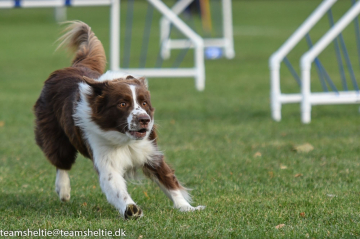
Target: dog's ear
[[98, 100], [144, 82], [97, 86], [129, 77]]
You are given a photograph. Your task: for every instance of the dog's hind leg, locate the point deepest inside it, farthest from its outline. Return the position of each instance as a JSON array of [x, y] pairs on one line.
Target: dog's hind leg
[[62, 155], [62, 185], [63, 158], [57, 149]]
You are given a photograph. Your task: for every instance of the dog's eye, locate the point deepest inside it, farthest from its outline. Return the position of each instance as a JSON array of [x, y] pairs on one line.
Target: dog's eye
[[122, 105], [144, 103]]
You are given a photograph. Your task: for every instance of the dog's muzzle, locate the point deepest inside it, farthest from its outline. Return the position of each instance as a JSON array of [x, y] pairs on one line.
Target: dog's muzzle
[[142, 123]]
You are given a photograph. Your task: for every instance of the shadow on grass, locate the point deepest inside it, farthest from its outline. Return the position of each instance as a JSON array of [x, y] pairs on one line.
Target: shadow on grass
[[21, 205]]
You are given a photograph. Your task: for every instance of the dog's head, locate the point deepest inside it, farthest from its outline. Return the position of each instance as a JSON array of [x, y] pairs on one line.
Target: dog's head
[[122, 105]]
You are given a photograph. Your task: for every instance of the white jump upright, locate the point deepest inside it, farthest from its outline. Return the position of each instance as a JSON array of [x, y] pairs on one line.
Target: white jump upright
[[278, 98], [60, 14], [198, 71], [308, 98], [226, 41], [115, 35], [305, 96], [165, 41]]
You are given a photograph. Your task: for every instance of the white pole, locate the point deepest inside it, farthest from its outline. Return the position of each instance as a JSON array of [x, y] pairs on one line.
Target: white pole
[[60, 14], [330, 35], [310, 56], [200, 67], [115, 35], [194, 37], [305, 92], [228, 29], [178, 8], [164, 38], [278, 56], [299, 34], [7, 4], [275, 94]]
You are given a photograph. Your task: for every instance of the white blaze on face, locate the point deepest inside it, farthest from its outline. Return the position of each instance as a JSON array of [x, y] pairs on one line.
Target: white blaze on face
[[132, 119]]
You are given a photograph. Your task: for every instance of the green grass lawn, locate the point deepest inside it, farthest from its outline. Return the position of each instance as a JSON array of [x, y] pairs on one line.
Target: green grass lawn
[[211, 138]]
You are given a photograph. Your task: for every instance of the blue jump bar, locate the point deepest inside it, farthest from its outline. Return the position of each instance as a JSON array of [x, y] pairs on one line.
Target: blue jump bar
[[17, 3]]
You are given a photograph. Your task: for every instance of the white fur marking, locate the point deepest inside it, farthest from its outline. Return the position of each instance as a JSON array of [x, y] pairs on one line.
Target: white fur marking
[[180, 198], [114, 162], [136, 111], [112, 75], [62, 185]]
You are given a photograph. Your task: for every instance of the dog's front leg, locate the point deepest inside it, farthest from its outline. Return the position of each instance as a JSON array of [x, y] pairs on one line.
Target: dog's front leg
[[113, 185], [164, 176]]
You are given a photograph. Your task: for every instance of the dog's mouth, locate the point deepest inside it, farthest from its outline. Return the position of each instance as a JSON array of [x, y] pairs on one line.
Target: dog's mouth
[[138, 134]]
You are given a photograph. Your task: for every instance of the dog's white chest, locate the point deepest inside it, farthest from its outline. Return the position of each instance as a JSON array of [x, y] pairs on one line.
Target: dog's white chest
[[126, 157]]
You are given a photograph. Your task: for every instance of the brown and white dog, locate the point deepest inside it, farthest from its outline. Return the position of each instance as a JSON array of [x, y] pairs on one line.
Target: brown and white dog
[[105, 117]]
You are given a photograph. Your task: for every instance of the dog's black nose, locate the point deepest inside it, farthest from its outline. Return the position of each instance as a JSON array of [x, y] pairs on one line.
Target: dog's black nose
[[144, 119]]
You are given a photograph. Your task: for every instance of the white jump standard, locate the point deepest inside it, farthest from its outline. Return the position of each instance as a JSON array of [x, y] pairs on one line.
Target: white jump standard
[[306, 97]]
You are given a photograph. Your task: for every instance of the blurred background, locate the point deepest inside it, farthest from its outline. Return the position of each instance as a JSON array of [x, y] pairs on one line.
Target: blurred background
[[246, 168]]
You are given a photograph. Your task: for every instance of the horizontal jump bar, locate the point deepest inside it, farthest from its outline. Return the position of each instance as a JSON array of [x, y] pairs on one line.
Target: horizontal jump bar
[[325, 98], [53, 3], [161, 72], [185, 43]]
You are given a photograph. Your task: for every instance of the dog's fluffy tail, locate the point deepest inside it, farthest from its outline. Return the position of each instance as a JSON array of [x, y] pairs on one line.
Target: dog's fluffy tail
[[89, 51]]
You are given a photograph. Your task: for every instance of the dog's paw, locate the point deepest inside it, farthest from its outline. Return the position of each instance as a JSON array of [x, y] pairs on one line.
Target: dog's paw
[[133, 211], [63, 192], [62, 185], [190, 208]]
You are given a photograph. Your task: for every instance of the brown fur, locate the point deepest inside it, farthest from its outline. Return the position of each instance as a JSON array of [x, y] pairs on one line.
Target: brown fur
[[89, 51], [108, 95], [55, 130], [162, 172]]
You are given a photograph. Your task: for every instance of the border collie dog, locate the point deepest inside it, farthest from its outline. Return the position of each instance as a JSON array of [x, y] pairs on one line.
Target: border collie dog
[[108, 118]]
